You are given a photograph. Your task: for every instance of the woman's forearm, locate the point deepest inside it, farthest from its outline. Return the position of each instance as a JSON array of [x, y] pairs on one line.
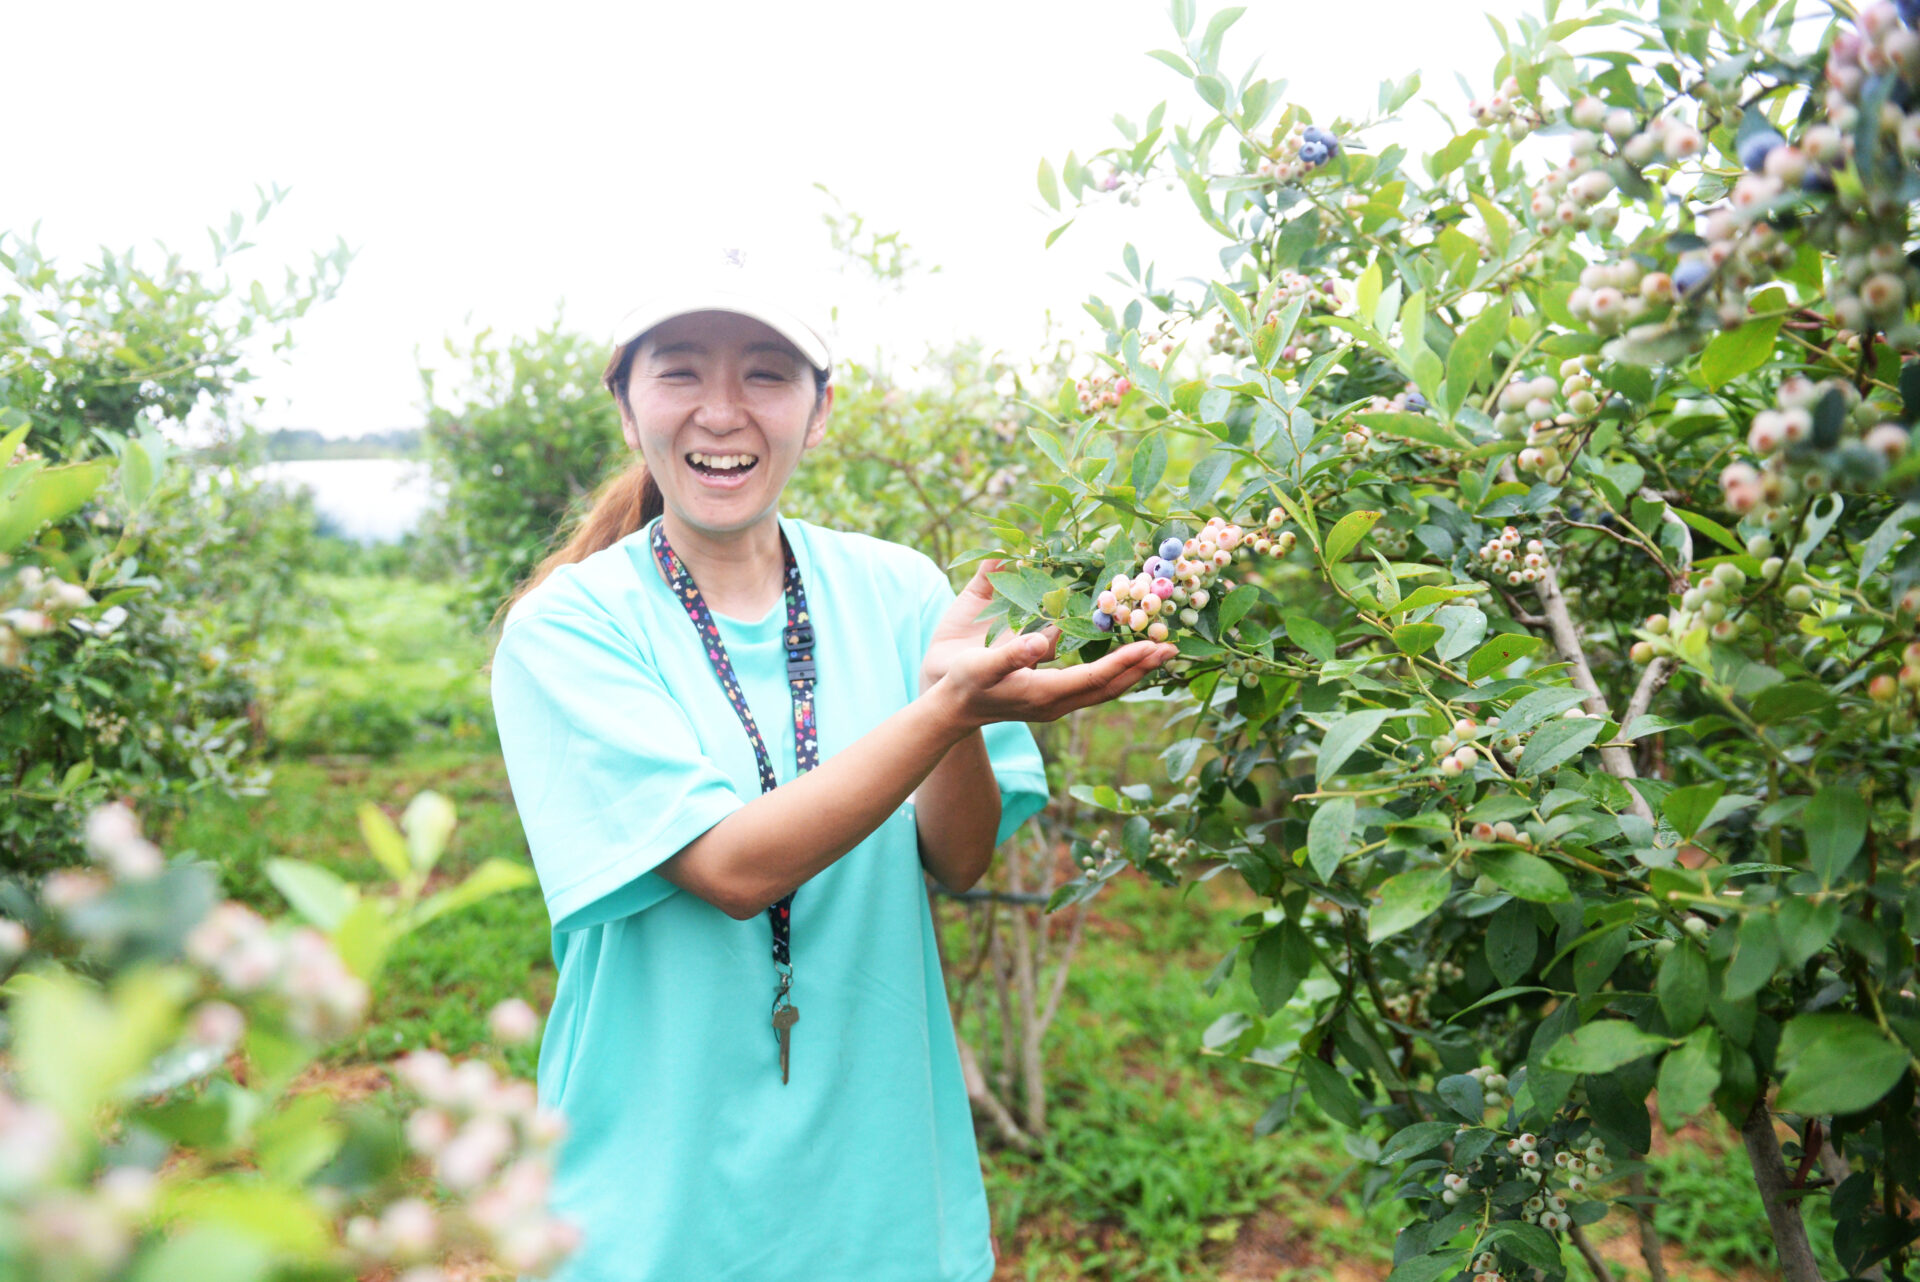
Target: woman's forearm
[[780, 839], [957, 811]]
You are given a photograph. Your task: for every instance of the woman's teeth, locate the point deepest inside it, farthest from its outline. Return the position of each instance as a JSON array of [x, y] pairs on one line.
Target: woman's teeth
[[723, 462]]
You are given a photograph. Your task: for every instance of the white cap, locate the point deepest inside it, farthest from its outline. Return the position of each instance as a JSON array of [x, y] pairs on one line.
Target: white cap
[[724, 282]]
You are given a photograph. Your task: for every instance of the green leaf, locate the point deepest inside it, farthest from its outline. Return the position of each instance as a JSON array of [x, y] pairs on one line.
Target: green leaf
[[1836, 1064], [1836, 824], [1234, 606], [1711, 528], [1414, 427], [1049, 186], [49, 494], [385, 841], [1687, 808], [1281, 959], [1407, 900], [1682, 987], [1531, 709], [1347, 532], [1496, 654], [1310, 636], [1787, 699], [1601, 1047], [1512, 942], [1689, 1075], [1417, 638], [1889, 532], [489, 879], [1558, 741], [1469, 361], [1464, 625], [1427, 1268], [1330, 835], [1149, 463], [1741, 351], [1344, 738], [1204, 480], [1525, 876], [1331, 1092], [316, 894], [1411, 1141], [136, 474]]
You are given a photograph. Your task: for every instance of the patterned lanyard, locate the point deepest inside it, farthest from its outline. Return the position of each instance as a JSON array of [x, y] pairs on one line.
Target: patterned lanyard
[[806, 742]]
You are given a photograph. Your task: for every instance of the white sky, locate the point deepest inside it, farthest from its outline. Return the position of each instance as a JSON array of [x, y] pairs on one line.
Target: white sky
[[490, 161]]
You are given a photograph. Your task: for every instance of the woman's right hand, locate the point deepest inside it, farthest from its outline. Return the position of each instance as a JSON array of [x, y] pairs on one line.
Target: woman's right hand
[[1001, 683]]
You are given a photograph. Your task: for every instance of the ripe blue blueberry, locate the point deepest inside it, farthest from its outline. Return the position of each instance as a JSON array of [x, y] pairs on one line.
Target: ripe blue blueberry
[[1155, 567], [1753, 152], [1314, 153], [1416, 402], [1689, 276], [1103, 620], [1909, 11], [1314, 133], [1172, 548], [1818, 182]]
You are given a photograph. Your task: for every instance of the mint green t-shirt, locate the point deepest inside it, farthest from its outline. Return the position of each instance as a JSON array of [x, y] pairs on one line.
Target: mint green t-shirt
[[686, 1159]]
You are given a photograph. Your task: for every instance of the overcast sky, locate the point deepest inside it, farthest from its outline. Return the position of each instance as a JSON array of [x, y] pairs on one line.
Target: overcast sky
[[490, 161]]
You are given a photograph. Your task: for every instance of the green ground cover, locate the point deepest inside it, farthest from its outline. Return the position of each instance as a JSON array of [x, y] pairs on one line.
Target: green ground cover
[[1150, 1169]]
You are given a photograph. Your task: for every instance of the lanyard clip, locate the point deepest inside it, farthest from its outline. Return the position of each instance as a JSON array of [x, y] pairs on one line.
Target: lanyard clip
[[800, 653]]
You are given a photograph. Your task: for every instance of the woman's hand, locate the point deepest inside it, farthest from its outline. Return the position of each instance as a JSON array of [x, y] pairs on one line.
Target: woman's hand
[[997, 683], [961, 629]]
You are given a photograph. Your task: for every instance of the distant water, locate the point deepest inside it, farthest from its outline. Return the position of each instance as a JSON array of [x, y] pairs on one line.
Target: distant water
[[369, 500]]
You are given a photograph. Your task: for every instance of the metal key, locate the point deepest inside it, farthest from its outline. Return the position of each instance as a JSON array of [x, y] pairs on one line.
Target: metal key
[[783, 1021]]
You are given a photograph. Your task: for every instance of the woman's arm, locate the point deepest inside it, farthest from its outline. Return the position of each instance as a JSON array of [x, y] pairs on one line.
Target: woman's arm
[[768, 847], [957, 812]]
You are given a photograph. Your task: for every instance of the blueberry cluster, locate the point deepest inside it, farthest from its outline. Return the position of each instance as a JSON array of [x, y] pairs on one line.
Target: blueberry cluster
[[1716, 603], [1502, 557], [1531, 408], [1801, 448], [1507, 110], [1098, 393], [1298, 152], [1454, 753], [1177, 579]]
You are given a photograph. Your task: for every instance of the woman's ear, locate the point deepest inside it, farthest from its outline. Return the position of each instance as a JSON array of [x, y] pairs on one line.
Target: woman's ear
[[629, 429], [817, 430]]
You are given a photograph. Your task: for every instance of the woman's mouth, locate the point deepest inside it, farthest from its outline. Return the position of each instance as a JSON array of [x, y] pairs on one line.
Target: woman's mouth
[[722, 471]]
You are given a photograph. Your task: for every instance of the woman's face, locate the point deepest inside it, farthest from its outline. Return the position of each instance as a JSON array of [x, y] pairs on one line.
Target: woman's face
[[715, 388]]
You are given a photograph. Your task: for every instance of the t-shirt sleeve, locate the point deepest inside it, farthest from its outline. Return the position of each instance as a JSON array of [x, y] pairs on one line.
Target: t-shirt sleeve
[[607, 773], [1015, 757]]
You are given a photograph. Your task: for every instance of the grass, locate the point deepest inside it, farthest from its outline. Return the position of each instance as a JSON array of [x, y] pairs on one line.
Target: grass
[[1150, 1171]]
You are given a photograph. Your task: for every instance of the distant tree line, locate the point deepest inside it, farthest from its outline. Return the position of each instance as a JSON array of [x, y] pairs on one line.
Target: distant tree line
[[294, 443]]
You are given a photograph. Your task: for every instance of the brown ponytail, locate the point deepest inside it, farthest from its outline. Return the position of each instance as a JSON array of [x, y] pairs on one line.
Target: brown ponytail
[[625, 502]]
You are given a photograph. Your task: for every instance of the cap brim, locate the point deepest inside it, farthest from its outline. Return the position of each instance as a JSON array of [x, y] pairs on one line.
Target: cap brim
[[789, 326]]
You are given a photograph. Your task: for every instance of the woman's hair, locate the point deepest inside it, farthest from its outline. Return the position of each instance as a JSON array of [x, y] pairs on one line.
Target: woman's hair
[[625, 501]]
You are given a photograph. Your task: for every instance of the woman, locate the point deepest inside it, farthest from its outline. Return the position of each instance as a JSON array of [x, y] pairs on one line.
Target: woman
[[721, 851]]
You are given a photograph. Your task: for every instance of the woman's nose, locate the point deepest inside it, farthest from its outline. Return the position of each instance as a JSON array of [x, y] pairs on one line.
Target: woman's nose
[[721, 409]]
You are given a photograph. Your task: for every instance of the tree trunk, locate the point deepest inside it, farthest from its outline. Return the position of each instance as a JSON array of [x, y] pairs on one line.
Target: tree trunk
[[1790, 1243]]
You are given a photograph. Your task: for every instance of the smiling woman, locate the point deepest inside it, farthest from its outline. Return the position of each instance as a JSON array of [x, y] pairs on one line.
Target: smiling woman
[[689, 758]]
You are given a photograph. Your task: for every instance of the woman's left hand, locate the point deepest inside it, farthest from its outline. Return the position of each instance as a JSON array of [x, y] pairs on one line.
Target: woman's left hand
[[961, 629]]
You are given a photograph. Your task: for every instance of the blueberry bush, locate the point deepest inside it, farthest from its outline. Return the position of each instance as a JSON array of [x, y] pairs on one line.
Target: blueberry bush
[[1535, 521], [137, 581], [157, 1119]]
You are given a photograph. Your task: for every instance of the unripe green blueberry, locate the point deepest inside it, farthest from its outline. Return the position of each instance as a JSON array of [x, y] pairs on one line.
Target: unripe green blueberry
[[1799, 597], [1698, 927], [1657, 624], [1661, 947], [1771, 569], [1713, 590], [1485, 885], [1712, 611], [1730, 576], [1642, 652], [1760, 546]]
